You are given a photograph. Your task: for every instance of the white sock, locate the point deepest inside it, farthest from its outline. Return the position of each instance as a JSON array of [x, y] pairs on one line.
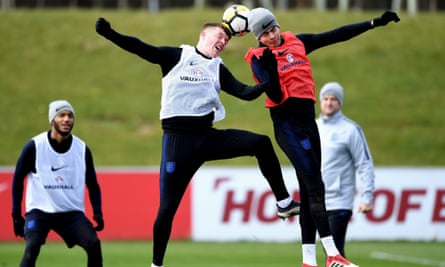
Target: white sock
[[309, 254], [284, 202], [153, 265], [329, 245]]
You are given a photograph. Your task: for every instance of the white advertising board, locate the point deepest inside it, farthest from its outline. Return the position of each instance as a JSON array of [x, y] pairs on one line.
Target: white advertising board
[[230, 204]]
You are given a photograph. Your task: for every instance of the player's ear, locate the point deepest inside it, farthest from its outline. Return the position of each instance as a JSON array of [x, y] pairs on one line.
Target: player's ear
[[202, 34]]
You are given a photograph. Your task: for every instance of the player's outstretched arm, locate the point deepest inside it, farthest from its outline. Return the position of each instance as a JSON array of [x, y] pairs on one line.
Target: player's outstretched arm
[[131, 44], [313, 42], [103, 27], [385, 18]]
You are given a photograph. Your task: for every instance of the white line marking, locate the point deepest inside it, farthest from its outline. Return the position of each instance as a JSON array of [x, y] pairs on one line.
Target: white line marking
[[406, 259]]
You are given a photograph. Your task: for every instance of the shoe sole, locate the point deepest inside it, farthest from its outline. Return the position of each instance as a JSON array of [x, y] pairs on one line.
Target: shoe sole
[[289, 213], [339, 264]]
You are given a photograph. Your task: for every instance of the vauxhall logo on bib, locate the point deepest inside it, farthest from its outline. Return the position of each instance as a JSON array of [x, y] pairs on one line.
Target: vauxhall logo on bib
[[292, 62]]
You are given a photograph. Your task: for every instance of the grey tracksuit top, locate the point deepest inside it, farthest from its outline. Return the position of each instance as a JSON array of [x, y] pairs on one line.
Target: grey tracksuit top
[[345, 159]]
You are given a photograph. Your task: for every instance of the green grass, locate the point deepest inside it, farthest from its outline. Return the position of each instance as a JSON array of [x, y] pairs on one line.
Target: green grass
[[197, 254], [393, 77]]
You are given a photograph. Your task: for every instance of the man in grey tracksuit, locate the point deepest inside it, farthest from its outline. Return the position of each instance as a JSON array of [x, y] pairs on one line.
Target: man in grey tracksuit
[[345, 158]]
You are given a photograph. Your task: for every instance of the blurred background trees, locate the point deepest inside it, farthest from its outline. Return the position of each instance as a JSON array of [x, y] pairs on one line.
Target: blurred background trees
[[411, 6]]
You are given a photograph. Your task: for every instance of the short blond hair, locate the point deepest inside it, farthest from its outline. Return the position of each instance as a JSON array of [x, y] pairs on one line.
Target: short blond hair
[[218, 25]]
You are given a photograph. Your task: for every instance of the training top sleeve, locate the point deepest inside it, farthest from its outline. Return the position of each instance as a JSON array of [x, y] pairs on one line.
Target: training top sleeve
[[314, 41], [165, 56], [234, 87], [273, 88], [25, 164], [363, 164], [92, 183]]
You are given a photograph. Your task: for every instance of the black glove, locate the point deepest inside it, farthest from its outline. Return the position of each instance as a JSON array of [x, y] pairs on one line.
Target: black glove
[[272, 88], [19, 224], [268, 60], [103, 27], [99, 220], [386, 18]]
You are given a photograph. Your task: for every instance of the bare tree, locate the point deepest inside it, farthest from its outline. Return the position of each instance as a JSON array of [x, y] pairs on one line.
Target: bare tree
[[199, 3], [73, 3], [343, 5], [396, 5], [122, 4], [267, 4], [8, 4], [300, 3], [153, 6], [433, 5], [40, 3], [282, 4], [411, 6], [248, 3], [320, 5], [98, 3]]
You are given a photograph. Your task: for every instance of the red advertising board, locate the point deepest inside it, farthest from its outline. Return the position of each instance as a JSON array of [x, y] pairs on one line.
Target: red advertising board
[[129, 200], [235, 203]]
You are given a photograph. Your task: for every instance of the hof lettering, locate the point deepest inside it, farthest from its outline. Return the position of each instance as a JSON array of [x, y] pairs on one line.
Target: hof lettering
[[254, 205], [398, 205], [439, 206]]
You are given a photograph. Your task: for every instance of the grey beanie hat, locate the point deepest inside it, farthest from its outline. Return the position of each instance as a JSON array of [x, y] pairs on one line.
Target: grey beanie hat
[[57, 106], [332, 88], [260, 20]]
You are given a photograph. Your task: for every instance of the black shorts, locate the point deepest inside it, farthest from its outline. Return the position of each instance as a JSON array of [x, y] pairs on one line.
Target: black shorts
[[74, 227]]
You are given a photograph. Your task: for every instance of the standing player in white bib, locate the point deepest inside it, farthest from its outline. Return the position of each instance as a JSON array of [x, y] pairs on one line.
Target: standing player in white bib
[[58, 165]]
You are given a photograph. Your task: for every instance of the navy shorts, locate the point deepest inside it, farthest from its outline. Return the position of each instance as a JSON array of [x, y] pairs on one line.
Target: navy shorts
[[74, 227]]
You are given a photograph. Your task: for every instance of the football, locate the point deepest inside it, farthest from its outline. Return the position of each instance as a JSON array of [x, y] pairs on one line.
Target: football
[[235, 19]]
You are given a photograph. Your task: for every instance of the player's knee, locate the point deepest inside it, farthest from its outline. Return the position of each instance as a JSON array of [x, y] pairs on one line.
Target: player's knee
[[264, 139], [316, 200], [32, 248], [87, 238], [315, 188], [34, 240], [263, 142], [93, 245]]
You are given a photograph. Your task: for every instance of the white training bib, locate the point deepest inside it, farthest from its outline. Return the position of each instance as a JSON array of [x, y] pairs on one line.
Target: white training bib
[[192, 87], [59, 182]]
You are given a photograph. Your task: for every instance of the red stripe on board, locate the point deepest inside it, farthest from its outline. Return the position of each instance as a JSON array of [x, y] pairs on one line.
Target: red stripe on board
[[129, 201]]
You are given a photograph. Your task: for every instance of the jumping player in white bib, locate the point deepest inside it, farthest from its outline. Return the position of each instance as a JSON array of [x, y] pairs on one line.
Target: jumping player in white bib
[[193, 77]]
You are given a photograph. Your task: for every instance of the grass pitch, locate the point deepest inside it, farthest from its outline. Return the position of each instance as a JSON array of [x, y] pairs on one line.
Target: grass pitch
[[232, 254], [393, 78]]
